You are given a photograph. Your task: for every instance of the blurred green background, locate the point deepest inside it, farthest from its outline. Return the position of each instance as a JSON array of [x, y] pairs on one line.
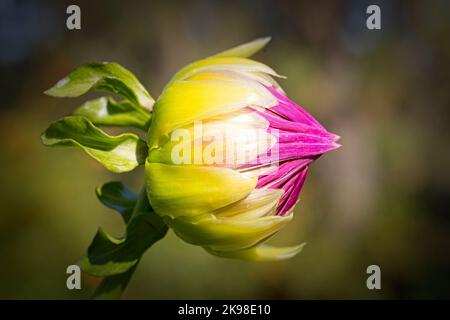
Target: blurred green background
[[383, 198]]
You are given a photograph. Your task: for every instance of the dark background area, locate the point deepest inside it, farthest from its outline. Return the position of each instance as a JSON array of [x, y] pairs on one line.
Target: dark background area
[[383, 198]]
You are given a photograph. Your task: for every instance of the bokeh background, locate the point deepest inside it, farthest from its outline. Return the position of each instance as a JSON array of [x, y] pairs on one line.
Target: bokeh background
[[383, 198]]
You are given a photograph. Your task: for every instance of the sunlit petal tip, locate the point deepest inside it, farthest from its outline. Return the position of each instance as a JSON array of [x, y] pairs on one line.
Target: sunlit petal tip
[[247, 49]]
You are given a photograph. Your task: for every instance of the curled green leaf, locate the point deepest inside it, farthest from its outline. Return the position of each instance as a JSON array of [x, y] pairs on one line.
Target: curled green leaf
[[108, 112], [106, 76], [108, 256], [117, 196], [112, 287], [118, 154]]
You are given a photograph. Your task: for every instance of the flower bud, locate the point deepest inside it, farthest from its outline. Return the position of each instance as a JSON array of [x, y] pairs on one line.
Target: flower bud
[[229, 153]]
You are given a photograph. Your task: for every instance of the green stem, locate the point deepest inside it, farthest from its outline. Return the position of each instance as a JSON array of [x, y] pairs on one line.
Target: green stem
[[112, 287]]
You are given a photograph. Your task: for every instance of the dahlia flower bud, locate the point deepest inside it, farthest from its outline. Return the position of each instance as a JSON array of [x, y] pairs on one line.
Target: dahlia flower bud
[[229, 153]]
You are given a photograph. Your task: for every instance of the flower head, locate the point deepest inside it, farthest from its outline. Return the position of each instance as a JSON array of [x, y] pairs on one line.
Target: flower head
[[229, 153]]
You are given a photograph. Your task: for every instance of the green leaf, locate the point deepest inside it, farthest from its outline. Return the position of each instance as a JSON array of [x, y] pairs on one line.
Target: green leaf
[[99, 260], [108, 256], [120, 153], [115, 195], [105, 76], [112, 287], [106, 111]]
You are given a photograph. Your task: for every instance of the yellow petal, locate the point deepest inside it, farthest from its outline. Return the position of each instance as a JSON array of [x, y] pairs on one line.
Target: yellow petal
[[234, 60], [245, 50], [260, 253], [185, 190], [266, 80], [263, 78], [221, 63], [230, 141], [224, 234], [189, 100], [259, 203]]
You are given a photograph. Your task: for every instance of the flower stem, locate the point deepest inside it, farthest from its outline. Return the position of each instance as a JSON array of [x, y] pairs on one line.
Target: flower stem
[[112, 287]]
